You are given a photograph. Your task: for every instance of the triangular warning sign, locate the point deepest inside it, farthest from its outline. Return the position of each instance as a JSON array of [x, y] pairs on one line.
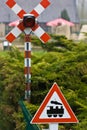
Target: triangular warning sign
[[54, 109]]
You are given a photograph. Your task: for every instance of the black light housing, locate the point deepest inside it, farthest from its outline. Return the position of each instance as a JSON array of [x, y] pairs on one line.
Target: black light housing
[[28, 20]]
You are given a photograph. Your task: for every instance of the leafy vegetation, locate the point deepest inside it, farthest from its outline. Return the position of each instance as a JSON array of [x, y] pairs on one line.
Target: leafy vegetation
[[62, 61]]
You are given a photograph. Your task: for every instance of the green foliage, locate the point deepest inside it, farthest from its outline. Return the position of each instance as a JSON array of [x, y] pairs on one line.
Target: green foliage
[[57, 44], [68, 68], [31, 107], [11, 86], [62, 61], [19, 119]]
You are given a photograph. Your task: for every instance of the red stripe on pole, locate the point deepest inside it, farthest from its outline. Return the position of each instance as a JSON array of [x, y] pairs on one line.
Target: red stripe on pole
[[35, 27], [10, 37], [10, 3], [27, 70], [21, 26], [45, 3], [27, 54], [21, 13], [45, 37], [27, 86], [34, 13], [27, 38]]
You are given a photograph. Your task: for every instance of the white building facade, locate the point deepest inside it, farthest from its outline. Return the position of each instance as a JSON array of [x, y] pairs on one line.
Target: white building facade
[[82, 10]]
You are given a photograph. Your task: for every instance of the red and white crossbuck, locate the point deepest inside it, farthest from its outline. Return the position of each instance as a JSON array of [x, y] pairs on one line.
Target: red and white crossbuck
[[38, 31]]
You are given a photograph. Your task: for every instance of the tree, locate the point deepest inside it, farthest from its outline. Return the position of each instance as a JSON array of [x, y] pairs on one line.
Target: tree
[[64, 63], [11, 88], [64, 15]]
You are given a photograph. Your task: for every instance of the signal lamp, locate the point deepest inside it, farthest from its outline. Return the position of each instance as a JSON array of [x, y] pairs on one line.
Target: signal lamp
[[28, 20]]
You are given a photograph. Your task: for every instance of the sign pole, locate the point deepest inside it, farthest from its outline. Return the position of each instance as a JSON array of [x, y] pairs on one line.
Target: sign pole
[[27, 69], [53, 126], [28, 22]]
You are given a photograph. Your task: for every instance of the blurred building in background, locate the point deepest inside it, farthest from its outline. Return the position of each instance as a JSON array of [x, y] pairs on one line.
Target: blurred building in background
[[82, 10], [66, 9], [82, 13], [52, 12]]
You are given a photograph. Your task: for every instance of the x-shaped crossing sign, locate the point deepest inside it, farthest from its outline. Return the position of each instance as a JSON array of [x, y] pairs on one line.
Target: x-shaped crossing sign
[[38, 31], [28, 22]]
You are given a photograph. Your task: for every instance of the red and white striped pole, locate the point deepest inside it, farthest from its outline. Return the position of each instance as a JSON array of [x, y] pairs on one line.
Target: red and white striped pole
[[27, 69], [28, 21]]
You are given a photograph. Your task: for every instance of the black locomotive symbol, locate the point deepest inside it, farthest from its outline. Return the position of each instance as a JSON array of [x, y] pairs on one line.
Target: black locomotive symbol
[[57, 111]]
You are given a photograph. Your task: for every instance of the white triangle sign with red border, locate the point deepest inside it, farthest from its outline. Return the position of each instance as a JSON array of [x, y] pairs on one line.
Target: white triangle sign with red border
[[54, 109]]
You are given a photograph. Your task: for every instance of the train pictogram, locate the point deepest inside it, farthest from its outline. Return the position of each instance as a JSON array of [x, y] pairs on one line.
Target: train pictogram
[[56, 110]]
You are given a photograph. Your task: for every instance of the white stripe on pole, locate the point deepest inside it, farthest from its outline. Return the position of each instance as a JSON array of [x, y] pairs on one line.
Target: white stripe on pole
[[16, 31], [39, 32], [16, 8], [39, 9], [26, 75], [27, 62], [27, 46], [53, 126]]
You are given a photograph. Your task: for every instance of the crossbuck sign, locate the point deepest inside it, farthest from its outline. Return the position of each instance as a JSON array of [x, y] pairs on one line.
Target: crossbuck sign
[[28, 24], [38, 31]]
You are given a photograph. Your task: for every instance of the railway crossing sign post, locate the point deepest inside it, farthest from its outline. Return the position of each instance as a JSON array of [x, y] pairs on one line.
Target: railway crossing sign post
[[54, 109], [27, 25]]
